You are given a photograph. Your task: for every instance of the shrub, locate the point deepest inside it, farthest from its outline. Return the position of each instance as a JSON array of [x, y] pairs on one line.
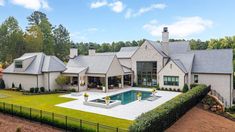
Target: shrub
[[18, 129], [42, 89], [73, 90], [12, 85], [20, 87], [31, 90], [36, 90], [2, 84], [178, 90], [162, 117], [62, 80], [193, 85], [185, 88], [170, 89]]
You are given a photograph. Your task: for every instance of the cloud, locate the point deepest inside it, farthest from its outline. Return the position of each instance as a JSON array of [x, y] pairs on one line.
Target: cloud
[[32, 4], [2, 2], [130, 13], [116, 6], [99, 4], [183, 27]]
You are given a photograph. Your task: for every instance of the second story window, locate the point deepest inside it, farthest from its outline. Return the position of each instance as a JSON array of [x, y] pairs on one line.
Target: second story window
[[18, 64]]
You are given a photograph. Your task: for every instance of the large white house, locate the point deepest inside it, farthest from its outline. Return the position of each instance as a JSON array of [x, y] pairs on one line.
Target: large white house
[[169, 64]]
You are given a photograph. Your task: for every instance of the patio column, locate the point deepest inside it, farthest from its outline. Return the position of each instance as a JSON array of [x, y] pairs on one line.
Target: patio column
[[122, 80], [106, 84], [78, 83], [132, 79]]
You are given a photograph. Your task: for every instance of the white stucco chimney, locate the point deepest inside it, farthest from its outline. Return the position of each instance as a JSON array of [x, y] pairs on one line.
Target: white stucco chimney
[[165, 35], [73, 52], [91, 52]]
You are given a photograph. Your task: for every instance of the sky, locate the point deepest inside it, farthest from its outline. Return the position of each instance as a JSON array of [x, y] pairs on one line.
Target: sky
[[126, 20]]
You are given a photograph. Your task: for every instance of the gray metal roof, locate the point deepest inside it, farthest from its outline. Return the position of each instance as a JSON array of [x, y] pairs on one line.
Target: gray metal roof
[[52, 63], [41, 63], [213, 61], [184, 61], [126, 52], [106, 53], [74, 70], [177, 47], [95, 64]]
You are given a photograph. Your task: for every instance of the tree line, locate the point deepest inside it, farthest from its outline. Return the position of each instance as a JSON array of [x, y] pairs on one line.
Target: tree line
[[41, 36]]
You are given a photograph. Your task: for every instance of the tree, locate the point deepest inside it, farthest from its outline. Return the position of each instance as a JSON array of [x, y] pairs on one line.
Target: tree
[[11, 40], [40, 19], [62, 80], [62, 42], [185, 88], [34, 39]]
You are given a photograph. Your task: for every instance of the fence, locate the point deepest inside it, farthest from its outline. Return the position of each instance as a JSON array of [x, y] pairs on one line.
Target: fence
[[57, 120]]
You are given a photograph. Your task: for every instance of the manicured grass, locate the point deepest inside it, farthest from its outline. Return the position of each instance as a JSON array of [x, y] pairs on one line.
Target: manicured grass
[[48, 102]]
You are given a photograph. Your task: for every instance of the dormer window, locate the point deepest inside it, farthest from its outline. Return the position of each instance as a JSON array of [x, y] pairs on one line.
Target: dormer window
[[18, 64]]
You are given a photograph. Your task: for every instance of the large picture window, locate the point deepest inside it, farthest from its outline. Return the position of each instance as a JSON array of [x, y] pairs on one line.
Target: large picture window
[[18, 64], [147, 73], [171, 80]]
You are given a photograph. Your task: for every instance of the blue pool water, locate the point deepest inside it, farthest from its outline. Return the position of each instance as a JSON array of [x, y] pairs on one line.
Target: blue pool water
[[129, 96]]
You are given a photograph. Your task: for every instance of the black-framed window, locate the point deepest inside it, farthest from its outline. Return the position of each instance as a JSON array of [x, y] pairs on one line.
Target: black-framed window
[[18, 64], [195, 78], [171, 80], [147, 73]]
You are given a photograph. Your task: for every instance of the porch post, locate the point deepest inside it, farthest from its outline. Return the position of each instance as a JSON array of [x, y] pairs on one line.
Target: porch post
[[122, 80], [106, 84], [78, 83], [132, 79]]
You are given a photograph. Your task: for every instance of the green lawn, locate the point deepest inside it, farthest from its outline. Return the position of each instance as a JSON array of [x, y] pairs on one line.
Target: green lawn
[[48, 102]]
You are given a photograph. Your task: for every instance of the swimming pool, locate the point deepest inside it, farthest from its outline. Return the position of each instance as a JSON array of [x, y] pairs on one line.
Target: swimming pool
[[129, 96]]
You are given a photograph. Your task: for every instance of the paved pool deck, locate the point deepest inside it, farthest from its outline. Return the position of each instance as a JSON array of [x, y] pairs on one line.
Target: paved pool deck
[[128, 111]]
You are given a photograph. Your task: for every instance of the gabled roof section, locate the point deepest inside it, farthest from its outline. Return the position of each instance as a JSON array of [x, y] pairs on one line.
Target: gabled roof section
[[41, 63], [177, 47], [184, 61], [95, 64], [157, 46], [126, 52], [213, 61], [52, 64]]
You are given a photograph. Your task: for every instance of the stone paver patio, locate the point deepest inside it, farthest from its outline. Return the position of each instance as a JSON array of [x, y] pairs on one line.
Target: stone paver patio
[[129, 111]]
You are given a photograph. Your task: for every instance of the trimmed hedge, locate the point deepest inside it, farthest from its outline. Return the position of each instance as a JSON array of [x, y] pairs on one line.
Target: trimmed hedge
[[162, 117]]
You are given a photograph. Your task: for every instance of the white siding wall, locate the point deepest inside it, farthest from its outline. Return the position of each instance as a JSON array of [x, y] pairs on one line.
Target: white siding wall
[[219, 82], [27, 81], [171, 69], [146, 52], [53, 84]]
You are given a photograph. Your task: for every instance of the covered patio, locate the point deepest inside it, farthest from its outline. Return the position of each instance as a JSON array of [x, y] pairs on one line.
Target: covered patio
[[88, 73]]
